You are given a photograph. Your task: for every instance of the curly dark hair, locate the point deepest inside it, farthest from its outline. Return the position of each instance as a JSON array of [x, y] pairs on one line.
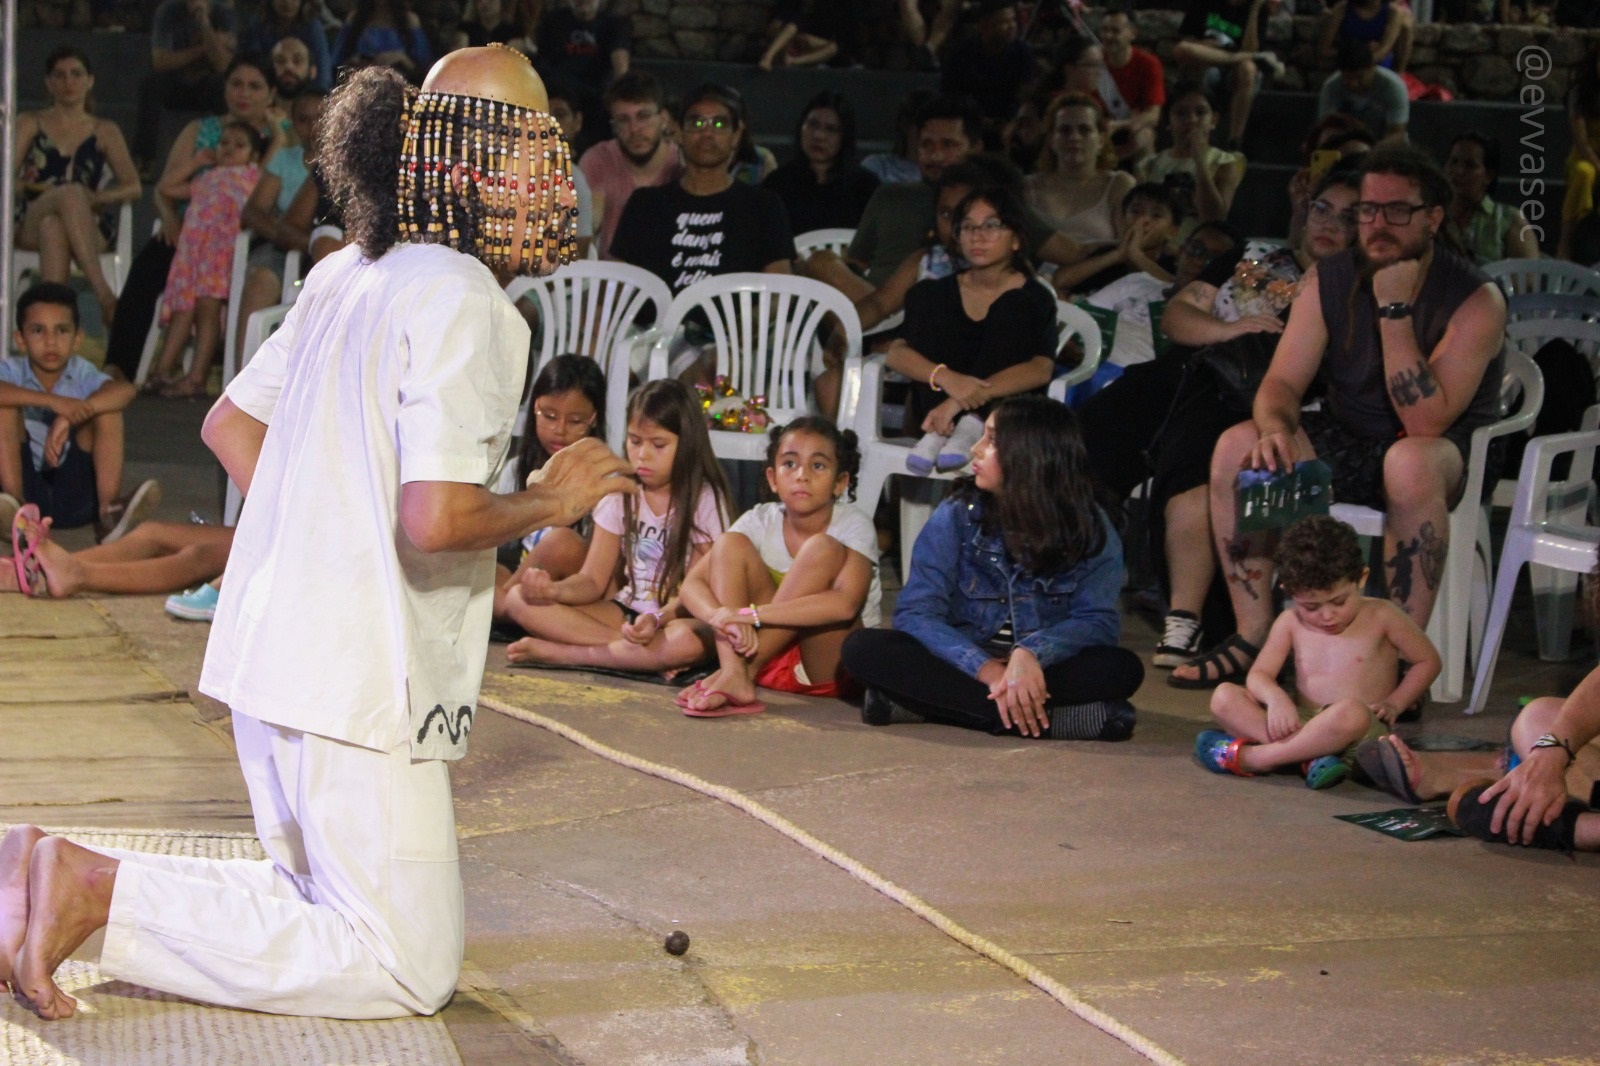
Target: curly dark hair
[[846, 448], [1317, 553], [362, 132]]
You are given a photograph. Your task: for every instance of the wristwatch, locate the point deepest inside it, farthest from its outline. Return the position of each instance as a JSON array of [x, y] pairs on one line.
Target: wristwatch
[[1395, 310]]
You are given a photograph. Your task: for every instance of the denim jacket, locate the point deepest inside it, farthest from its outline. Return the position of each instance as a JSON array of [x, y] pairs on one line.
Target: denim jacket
[[963, 588]]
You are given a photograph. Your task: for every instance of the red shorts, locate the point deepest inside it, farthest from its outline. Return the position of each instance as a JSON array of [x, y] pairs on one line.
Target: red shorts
[[778, 675]]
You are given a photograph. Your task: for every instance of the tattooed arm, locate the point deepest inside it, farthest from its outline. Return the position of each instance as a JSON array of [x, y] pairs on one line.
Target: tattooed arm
[[1430, 391]]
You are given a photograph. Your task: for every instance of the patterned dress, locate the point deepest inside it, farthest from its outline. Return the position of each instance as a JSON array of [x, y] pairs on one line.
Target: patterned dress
[[44, 167], [203, 264]]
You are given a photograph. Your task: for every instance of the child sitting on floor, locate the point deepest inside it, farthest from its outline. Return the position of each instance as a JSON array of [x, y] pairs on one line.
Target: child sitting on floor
[[1347, 649], [790, 580], [202, 266], [585, 619], [61, 425], [566, 404]]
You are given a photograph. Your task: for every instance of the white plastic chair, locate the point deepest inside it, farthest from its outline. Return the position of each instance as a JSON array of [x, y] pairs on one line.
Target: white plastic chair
[[1463, 599], [113, 262], [1519, 277], [262, 324], [1545, 533], [1552, 305], [835, 240], [593, 308], [767, 330], [883, 456]]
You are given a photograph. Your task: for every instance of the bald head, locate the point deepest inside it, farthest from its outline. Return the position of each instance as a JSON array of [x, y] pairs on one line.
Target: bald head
[[492, 73]]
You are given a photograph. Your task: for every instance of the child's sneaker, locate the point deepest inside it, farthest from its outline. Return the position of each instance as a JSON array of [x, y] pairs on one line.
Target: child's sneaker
[[1219, 753], [957, 451], [926, 453], [1325, 772], [127, 511], [196, 605], [9, 506], [1180, 640]]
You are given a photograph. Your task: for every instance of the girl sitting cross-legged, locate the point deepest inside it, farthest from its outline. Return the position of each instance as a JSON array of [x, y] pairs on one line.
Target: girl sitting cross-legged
[[1008, 619], [586, 619], [790, 580]]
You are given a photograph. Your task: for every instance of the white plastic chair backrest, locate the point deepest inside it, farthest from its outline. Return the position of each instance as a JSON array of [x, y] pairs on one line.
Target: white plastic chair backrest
[[1528, 335], [766, 328], [1519, 276], [292, 278], [1552, 305], [588, 306], [835, 240], [1074, 321], [230, 332], [1534, 481], [262, 324]]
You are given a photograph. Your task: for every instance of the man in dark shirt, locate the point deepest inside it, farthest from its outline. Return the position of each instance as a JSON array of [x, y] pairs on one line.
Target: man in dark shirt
[[1407, 337], [992, 67], [1221, 48], [191, 44], [579, 45]]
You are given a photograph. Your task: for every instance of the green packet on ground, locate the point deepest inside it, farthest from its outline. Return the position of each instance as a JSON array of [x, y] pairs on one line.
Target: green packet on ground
[[1406, 823], [1274, 501]]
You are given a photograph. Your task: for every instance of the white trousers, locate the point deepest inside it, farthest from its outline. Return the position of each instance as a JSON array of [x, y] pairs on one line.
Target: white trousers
[[356, 914]]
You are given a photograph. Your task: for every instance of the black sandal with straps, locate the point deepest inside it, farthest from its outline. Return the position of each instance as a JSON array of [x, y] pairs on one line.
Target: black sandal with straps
[[1220, 663]]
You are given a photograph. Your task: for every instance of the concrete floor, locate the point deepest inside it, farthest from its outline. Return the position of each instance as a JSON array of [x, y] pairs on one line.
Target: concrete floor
[[1229, 921]]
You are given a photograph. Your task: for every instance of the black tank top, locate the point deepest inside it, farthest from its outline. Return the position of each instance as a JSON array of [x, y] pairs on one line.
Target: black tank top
[[1352, 367]]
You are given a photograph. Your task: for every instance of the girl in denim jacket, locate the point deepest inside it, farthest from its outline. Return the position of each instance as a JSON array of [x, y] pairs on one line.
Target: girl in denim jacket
[[1008, 620]]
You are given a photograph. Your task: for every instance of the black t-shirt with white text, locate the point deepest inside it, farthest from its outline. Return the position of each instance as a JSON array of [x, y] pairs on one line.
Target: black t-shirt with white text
[[682, 238]]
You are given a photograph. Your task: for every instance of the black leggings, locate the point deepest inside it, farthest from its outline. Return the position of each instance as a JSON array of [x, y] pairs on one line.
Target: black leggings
[[899, 664], [136, 305]]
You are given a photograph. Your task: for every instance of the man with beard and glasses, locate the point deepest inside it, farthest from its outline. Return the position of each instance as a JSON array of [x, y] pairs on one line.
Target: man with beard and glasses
[[1407, 336], [637, 157]]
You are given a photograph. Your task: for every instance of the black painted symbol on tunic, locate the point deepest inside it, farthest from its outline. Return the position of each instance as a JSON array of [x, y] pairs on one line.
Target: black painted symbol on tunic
[[460, 727]]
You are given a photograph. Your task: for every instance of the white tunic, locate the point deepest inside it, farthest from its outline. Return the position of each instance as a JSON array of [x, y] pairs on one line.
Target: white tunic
[[407, 368]]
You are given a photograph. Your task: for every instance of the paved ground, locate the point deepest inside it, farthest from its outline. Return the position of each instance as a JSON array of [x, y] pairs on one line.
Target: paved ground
[[1228, 921]]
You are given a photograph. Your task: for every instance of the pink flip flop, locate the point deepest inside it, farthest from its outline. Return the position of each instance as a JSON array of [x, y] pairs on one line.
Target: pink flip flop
[[727, 710], [25, 550]]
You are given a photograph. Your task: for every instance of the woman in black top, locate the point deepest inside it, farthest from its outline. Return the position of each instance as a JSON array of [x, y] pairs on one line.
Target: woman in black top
[[977, 336], [822, 187]]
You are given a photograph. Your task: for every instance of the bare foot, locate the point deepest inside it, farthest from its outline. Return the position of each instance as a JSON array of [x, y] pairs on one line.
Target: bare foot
[[537, 651], [15, 852], [69, 897], [719, 690], [1416, 775], [63, 575]]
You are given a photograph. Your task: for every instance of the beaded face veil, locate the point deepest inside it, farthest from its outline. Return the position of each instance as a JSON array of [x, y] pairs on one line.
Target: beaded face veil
[[489, 178]]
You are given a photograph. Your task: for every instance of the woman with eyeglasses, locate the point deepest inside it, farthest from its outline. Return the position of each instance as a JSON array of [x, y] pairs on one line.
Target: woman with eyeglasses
[[1242, 306], [1213, 174], [977, 336], [1075, 185], [822, 187], [1485, 229]]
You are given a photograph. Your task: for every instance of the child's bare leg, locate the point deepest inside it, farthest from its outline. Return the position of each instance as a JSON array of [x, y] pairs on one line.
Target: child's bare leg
[[738, 579], [808, 50], [102, 437], [682, 642], [11, 439], [182, 569], [69, 897], [63, 575], [1238, 713], [592, 623], [815, 569], [780, 43], [1331, 731], [15, 852], [207, 339], [151, 540], [559, 553], [180, 327]]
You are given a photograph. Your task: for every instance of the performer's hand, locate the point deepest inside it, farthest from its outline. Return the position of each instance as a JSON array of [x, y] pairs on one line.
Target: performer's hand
[[579, 476]]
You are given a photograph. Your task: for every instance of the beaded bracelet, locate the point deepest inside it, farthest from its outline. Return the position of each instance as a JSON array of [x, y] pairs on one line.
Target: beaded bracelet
[[933, 374]]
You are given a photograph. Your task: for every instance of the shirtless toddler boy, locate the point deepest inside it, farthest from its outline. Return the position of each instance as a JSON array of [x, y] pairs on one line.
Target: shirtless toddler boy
[[1347, 649]]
